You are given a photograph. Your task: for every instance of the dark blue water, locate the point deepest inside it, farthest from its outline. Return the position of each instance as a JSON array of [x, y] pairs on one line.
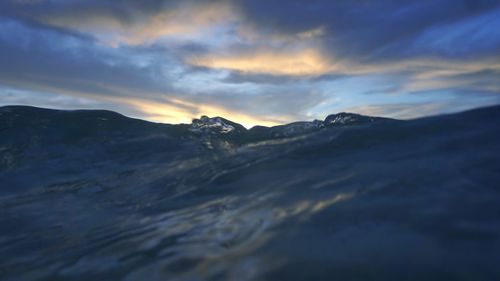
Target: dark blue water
[[97, 196]]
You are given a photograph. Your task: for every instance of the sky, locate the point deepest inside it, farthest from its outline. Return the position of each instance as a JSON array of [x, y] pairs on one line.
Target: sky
[[253, 62]]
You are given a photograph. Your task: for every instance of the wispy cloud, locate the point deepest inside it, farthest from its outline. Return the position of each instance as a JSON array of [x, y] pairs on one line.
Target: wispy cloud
[[295, 63]]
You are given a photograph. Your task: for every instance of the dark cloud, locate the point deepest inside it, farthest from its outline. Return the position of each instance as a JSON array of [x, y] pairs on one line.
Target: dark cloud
[[125, 11], [65, 64], [238, 77], [362, 30], [476, 36]]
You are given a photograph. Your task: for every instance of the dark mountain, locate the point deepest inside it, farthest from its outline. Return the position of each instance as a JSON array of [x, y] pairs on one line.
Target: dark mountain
[[95, 195], [345, 119]]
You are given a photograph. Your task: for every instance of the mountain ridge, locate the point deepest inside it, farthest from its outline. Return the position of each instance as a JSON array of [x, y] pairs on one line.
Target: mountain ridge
[[205, 124], [33, 109], [88, 196]]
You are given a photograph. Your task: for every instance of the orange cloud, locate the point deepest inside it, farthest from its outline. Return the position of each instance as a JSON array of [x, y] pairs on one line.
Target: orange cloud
[[183, 21], [294, 63]]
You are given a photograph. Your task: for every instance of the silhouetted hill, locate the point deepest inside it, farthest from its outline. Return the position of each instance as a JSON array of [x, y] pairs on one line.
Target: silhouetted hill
[[95, 195]]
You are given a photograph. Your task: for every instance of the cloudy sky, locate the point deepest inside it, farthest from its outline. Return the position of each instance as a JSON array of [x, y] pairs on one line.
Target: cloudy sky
[[255, 62]]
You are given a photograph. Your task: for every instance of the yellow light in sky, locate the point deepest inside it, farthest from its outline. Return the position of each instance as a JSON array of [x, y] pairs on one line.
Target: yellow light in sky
[[170, 113], [295, 63]]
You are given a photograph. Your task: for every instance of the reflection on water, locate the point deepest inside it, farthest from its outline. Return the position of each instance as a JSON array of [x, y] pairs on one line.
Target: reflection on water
[[212, 238]]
